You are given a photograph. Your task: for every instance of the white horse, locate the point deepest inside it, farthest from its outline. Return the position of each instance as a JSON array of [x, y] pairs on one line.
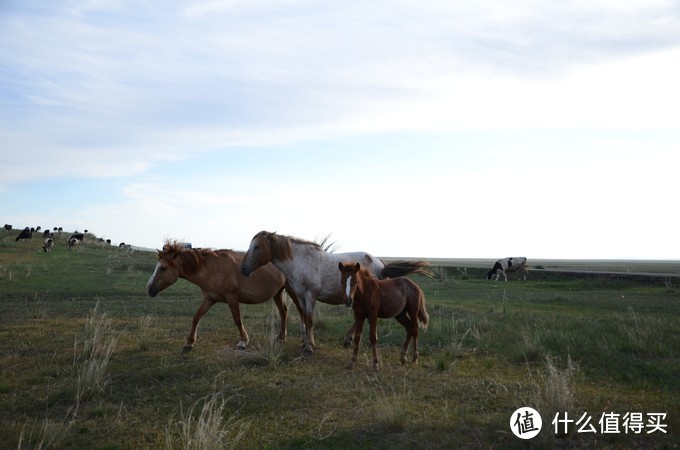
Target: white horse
[[313, 274]]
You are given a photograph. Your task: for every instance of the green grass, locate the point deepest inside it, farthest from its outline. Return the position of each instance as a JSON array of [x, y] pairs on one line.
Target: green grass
[[587, 344]]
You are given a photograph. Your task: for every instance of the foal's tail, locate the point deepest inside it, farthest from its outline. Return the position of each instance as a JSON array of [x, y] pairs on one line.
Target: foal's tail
[[423, 316], [402, 267]]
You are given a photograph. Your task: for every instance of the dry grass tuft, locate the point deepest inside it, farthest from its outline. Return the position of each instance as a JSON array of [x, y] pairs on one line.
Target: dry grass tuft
[[47, 434], [269, 351], [391, 410], [206, 426], [92, 354]]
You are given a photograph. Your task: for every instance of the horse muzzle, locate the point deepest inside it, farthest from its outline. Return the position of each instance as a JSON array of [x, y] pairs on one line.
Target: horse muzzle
[[152, 291], [246, 270], [348, 302]]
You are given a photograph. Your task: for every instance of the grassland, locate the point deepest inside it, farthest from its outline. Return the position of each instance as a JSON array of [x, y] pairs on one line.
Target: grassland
[[87, 360]]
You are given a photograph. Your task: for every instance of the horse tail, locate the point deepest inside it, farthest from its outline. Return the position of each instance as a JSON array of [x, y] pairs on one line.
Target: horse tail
[[400, 268], [423, 316]]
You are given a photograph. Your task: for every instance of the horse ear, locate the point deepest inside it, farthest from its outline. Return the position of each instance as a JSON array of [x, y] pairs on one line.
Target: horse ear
[[340, 266], [357, 266]]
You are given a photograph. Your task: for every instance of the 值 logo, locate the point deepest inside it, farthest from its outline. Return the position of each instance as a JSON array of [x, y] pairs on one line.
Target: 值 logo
[[526, 423]]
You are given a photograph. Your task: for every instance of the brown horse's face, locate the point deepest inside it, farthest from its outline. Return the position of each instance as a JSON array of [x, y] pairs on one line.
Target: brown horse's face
[[348, 279], [259, 253], [165, 274]]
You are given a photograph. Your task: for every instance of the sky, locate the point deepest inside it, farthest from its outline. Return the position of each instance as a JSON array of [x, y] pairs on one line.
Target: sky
[[443, 129]]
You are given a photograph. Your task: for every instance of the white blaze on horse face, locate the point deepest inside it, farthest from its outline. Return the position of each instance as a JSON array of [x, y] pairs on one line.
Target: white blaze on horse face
[[153, 276], [348, 288]]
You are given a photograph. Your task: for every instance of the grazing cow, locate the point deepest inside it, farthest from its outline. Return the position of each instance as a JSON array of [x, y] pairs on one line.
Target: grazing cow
[[73, 243], [49, 243], [26, 233], [508, 265], [8, 227], [79, 236]]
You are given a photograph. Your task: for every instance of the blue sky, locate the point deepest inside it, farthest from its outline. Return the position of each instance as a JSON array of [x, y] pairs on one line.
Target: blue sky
[[416, 129]]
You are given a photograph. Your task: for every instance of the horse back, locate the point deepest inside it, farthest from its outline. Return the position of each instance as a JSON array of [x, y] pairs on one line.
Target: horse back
[[226, 277], [396, 295]]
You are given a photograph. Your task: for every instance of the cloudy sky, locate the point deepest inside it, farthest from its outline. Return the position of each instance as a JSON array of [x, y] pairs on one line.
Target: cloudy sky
[[547, 129]]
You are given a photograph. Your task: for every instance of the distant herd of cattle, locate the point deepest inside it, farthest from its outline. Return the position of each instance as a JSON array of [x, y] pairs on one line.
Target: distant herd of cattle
[[48, 237]]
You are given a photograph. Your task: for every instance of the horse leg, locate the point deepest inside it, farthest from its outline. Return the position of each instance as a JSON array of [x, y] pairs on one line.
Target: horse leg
[[373, 327], [414, 332], [205, 306], [236, 315], [308, 344], [283, 314], [406, 323], [309, 324], [348, 336], [358, 328], [300, 310]]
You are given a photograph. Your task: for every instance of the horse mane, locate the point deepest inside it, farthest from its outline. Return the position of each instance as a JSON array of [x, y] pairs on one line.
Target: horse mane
[[280, 246], [192, 259]]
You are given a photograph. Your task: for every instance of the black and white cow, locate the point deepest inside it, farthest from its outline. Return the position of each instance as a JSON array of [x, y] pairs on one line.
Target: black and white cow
[[49, 243], [26, 233], [508, 265], [73, 243], [8, 227], [79, 236]]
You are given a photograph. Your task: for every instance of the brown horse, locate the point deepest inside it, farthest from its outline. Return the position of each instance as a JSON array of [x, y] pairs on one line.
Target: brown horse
[[371, 298], [216, 272]]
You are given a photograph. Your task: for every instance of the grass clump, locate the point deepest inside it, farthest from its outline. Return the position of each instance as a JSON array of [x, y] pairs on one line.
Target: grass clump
[[92, 354], [269, 351], [46, 434], [391, 411], [206, 425]]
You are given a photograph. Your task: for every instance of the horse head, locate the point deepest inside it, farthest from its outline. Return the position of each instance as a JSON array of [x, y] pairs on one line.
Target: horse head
[[259, 253], [348, 278], [166, 272]]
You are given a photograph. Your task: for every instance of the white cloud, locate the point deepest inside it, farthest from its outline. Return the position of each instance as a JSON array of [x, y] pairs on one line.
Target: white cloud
[[120, 89]]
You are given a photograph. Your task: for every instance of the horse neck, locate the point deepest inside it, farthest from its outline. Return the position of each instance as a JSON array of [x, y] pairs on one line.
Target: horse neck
[[365, 285], [300, 254], [199, 276]]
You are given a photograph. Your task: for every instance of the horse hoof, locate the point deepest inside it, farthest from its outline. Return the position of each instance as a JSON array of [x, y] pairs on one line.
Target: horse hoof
[[307, 351], [186, 349], [347, 343], [241, 346]]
